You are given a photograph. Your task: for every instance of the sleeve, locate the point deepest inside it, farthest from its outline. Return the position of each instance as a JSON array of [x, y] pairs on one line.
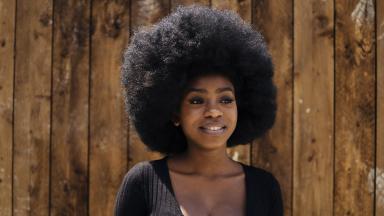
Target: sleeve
[[130, 197], [276, 207]]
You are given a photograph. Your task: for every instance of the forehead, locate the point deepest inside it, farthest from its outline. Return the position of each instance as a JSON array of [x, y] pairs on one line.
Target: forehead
[[211, 81]]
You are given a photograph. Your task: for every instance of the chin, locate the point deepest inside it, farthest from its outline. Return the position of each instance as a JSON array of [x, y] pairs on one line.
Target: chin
[[209, 141], [212, 145]]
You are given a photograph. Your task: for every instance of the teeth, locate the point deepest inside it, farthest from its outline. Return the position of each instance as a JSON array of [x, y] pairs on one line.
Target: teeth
[[214, 128]]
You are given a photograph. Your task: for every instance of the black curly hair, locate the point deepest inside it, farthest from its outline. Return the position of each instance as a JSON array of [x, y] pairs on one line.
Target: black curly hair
[[192, 41]]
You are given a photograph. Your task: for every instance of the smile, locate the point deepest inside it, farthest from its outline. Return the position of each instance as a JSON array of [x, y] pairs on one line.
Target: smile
[[213, 130]]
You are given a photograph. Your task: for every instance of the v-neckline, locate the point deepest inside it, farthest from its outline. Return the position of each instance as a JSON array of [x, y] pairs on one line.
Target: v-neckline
[[169, 184]]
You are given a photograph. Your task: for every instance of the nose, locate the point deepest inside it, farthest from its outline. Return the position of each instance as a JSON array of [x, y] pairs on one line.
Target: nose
[[213, 112]]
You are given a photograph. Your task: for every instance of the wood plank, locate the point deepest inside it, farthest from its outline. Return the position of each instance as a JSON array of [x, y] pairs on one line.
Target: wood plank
[[273, 151], [7, 36], [144, 13], [239, 153], [380, 108], [32, 104], [175, 3], [243, 8], [69, 176], [313, 108], [108, 124], [355, 108]]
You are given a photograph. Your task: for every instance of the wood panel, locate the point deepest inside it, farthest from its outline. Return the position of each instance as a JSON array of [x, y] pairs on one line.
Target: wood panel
[[144, 13], [330, 103], [313, 108], [243, 8], [108, 125], [175, 3], [273, 151], [7, 35], [240, 153], [380, 108], [32, 102], [69, 151], [355, 108], [147, 12]]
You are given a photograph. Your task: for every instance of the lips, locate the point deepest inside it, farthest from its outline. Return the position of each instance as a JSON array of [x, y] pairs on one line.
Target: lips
[[213, 129]]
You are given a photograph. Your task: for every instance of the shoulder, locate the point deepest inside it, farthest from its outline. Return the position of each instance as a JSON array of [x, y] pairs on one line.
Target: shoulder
[[266, 188], [131, 197], [260, 174], [141, 169], [262, 177]]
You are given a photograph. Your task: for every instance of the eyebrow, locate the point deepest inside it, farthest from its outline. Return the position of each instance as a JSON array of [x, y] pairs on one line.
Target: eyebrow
[[219, 90]]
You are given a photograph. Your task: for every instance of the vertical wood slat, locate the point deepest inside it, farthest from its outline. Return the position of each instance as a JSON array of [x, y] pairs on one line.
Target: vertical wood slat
[[313, 108], [175, 3], [7, 35], [243, 8], [240, 153], [69, 152], [274, 151], [108, 125], [144, 13], [32, 107], [379, 193], [354, 113]]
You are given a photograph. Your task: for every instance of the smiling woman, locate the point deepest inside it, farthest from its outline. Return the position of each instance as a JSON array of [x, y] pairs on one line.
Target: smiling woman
[[196, 83], [208, 113]]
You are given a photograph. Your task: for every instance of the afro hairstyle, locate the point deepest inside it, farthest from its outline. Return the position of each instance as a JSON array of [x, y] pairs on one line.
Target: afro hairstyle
[[161, 60]]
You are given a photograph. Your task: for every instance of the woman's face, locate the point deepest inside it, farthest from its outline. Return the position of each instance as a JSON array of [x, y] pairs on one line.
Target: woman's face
[[208, 113]]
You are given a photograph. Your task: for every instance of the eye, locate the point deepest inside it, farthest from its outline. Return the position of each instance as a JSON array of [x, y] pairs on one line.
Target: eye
[[226, 100], [196, 100]]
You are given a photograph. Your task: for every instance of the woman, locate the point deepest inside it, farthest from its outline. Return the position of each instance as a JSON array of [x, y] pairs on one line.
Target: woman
[[197, 82]]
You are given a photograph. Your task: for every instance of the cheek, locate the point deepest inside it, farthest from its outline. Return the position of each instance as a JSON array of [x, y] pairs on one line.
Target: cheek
[[232, 113], [189, 116], [233, 118], [189, 122]]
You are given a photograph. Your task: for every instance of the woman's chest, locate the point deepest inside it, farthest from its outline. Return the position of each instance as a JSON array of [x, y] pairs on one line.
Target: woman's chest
[[196, 196]]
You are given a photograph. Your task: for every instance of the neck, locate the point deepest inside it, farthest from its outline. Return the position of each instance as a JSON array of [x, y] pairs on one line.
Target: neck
[[206, 163]]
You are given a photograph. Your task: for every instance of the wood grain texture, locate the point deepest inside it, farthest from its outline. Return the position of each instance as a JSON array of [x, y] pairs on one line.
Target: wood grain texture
[[144, 13], [69, 152], [313, 108], [32, 104], [273, 152], [108, 124], [91, 138], [7, 35], [175, 3], [240, 153], [355, 108], [380, 108], [148, 12], [242, 7]]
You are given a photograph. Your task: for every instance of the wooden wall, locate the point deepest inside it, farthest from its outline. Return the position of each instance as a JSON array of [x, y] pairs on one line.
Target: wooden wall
[[66, 143]]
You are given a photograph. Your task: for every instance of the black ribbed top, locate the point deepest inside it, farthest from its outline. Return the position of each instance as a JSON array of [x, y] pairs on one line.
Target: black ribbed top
[[147, 190]]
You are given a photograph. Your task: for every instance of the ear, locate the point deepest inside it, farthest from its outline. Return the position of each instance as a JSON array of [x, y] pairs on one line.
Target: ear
[[175, 118]]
